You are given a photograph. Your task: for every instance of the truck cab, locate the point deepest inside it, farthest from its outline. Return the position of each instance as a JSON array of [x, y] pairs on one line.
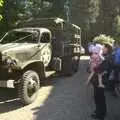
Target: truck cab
[[38, 46]]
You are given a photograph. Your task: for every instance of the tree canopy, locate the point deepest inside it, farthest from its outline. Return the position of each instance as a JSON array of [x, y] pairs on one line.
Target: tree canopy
[[1, 5], [95, 17]]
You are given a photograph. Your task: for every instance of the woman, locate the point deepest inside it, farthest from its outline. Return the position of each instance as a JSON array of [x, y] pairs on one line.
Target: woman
[[95, 60], [99, 96]]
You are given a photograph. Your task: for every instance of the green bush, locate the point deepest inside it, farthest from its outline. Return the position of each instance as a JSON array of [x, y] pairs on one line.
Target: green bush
[[104, 39], [117, 38], [1, 5]]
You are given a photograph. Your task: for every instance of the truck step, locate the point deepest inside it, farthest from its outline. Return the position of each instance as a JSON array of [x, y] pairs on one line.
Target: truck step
[[49, 73]]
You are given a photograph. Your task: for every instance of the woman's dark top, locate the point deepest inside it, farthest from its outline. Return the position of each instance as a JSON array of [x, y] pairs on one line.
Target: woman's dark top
[[106, 65]]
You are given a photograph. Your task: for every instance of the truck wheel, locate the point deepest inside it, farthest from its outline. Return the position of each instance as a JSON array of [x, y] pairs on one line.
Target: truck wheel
[[67, 69], [29, 86], [75, 63]]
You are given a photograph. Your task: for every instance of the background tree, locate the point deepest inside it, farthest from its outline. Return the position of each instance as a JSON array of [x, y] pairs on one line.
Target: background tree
[[93, 16], [85, 14], [96, 17], [1, 5]]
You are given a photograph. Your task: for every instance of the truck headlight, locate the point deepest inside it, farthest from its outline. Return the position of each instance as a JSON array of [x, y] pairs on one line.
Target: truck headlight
[[9, 61]]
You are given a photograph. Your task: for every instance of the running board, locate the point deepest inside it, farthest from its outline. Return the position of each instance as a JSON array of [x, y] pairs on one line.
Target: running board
[[49, 73]]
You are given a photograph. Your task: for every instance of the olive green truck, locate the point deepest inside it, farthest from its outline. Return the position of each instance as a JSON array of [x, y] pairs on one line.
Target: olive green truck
[[35, 48]]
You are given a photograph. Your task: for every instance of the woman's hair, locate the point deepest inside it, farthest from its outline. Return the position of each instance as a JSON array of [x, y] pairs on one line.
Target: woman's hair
[[109, 48]]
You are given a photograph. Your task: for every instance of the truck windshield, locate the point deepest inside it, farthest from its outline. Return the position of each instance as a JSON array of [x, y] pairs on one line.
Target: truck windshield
[[18, 37]]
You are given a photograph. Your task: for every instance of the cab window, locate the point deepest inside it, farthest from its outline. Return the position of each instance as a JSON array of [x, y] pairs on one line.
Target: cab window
[[45, 38]]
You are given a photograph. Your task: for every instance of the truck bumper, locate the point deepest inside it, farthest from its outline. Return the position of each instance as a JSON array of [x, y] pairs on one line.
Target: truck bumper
[[7, 84]]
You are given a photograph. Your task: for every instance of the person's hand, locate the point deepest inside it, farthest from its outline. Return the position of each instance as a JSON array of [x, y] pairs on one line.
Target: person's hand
[[87, 83]]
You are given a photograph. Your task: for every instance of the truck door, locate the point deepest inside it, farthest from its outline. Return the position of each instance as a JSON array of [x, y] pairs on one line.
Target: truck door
[[46, 50]]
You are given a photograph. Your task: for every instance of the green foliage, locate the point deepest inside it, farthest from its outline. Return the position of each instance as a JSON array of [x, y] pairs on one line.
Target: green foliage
[[116, 25], [1, 17], [97, 17], [29, 8], [93, 16], [15, 11], [93, 10], [117, 38], [1, 5], [104, 39], [87, 12]]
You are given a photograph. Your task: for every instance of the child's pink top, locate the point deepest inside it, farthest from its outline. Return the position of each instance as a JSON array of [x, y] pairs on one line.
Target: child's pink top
[[95, 60], [96, 56]]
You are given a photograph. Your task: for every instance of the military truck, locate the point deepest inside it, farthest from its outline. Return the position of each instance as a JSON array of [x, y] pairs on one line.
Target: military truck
[[36, 47]]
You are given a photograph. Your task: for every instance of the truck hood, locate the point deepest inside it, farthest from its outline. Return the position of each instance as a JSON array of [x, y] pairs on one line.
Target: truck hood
[[19, 51], [12, 47]]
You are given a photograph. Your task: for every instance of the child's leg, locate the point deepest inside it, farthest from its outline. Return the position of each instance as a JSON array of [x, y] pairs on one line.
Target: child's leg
[[90, 76], [100, 80]]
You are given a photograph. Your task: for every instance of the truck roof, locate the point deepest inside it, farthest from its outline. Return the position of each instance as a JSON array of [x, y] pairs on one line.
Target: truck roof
[[54, 20], [32, 29], [51, 23]]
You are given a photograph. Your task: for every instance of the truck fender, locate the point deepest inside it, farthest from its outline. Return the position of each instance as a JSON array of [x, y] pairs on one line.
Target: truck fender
[[37, 65]]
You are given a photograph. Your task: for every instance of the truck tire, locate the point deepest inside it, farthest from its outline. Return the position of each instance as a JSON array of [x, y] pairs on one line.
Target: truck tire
[[67, 69], [29, 86], [75, 63]]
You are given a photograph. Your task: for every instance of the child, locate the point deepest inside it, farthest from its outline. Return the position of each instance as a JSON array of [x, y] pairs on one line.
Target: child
[[90, 49], [95, 60]]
